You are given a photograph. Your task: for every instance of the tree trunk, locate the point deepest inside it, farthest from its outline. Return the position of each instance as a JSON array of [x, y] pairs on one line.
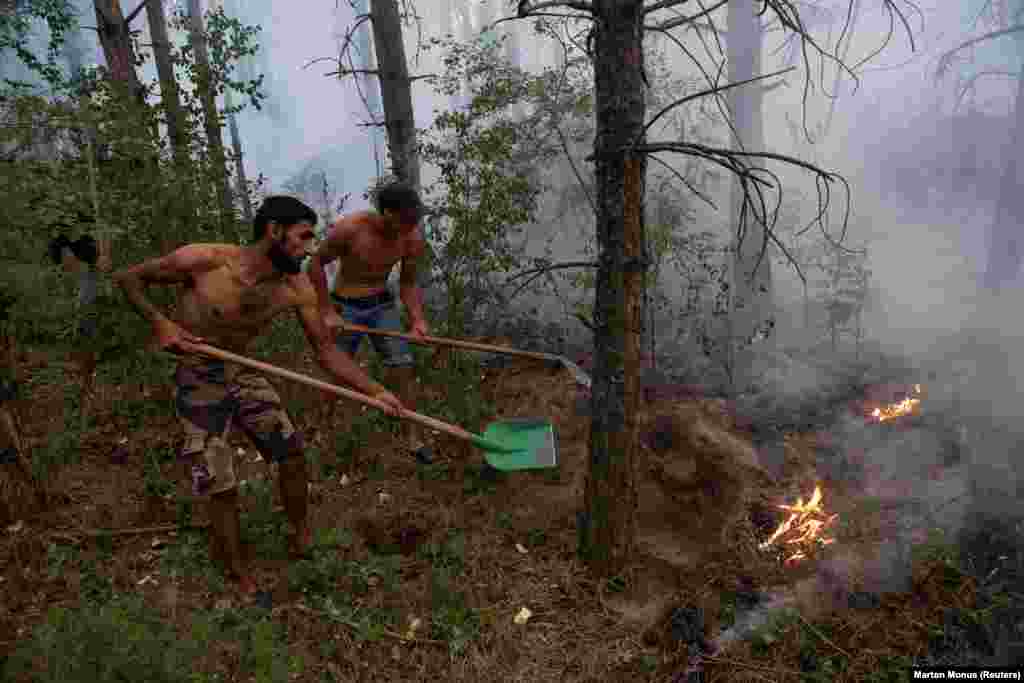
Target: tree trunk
[[751, 282], [1004, 249], [396, 91], [236, 148], [607, 529], [211, 117], [168, 84], [116, 40]]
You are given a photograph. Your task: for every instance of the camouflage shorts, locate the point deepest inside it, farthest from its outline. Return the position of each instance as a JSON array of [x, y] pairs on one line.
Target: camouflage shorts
[[211, 398]]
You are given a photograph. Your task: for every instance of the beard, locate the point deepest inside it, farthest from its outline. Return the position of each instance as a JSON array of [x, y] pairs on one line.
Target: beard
[[281, 261]]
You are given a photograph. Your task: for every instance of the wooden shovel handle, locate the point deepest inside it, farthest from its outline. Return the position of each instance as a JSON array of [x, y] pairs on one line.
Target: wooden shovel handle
[[444, 341], [214, 352]]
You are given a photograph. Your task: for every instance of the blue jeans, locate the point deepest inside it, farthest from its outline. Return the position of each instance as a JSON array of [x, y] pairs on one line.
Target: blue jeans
[[379, 312]]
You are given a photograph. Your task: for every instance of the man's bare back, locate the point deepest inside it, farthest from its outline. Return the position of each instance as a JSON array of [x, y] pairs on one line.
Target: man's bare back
[[221, 305], [367, 253]]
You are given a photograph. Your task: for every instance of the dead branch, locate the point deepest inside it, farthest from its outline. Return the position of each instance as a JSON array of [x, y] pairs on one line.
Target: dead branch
[[683, 21], [704, 93], [526, 9], [947, 58]]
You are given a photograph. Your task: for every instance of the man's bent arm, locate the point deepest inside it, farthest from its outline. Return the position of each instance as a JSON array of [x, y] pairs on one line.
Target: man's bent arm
[[174, 268], [330, 249], [338, 363], [409, 292]]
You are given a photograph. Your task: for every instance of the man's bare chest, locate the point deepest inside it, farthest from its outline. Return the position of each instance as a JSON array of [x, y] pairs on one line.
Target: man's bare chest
[[373, 255], [224, 298]]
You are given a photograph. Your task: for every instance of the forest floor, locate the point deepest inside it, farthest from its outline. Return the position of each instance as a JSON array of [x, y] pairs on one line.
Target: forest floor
[[419, 570]]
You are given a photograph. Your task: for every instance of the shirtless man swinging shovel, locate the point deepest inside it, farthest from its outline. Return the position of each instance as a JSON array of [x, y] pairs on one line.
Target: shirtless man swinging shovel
[[367, 246], [231, 294]]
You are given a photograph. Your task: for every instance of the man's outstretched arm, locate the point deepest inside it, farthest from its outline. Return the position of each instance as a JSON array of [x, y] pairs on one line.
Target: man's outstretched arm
[[338, 363]]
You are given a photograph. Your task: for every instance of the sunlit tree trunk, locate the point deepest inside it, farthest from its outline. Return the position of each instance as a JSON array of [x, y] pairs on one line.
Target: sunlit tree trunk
[[607, 530], [751, 282]]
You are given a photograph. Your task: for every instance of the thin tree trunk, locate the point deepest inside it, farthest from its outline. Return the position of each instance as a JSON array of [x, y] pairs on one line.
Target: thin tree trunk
[[752, 282], [211, 117], [1004, 253], [169, 95], [236, 148], [396, 91], [607, 530]]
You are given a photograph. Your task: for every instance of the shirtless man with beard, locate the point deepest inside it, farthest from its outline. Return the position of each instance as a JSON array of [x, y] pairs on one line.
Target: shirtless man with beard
[[231, 294]]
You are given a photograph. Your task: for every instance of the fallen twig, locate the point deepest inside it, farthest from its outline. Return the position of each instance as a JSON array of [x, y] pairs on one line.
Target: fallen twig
[[95, 533], [821, 635], [755, 667]]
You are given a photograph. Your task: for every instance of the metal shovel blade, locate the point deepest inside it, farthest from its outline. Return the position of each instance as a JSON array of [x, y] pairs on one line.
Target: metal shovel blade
[[520, 444]]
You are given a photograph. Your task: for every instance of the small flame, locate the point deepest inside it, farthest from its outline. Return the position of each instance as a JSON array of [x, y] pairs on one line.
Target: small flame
[[904, 407], [803, 527]]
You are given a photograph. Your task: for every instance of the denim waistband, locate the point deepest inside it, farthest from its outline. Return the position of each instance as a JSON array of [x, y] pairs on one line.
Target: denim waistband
[[371, 301]]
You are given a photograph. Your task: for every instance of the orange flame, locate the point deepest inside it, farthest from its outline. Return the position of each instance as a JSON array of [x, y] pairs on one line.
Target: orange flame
[[803, 527], [904, 407]]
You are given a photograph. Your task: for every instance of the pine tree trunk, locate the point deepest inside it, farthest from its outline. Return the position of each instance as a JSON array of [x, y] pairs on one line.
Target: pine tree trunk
[[211, 117], [752, 304], [236, 148], [607, 529]]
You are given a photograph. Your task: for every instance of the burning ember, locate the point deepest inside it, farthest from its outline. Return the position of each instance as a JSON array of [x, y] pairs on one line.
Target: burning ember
[[904, 407], [804, 527]]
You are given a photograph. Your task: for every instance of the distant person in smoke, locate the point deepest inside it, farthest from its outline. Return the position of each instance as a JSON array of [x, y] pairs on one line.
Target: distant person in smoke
[[230, 296], [367, 245]]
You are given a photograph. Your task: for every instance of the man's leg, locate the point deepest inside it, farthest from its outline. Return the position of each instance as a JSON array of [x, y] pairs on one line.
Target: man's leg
[[268, 425], [205, 408]]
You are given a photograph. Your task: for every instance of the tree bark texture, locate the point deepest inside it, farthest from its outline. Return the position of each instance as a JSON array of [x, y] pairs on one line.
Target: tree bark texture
[[751, 282], [1004, 248], [116, 40], [169, 95], [211, 116], [396, 91], [607, 529]]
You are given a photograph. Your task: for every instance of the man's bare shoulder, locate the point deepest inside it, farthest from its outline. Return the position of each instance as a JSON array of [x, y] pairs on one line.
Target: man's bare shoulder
[[347, 226], [201, 257]]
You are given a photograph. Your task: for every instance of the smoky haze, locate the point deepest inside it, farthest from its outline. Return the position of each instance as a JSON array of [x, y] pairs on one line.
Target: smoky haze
[[899, 139]]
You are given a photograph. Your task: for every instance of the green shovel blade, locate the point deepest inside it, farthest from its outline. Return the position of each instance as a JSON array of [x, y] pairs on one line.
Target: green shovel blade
[[519, 444]]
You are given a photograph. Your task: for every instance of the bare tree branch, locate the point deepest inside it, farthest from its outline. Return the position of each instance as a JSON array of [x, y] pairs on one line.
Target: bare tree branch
[[682, 21], [526, 9], [947, 58], [684, 181], [705, 93]]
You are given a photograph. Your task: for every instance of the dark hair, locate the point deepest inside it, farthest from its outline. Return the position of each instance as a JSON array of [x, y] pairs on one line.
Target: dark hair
[[284, 211], [397, 196]]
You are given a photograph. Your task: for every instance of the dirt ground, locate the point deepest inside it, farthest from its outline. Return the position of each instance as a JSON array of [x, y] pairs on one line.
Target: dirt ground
[[698, 545]]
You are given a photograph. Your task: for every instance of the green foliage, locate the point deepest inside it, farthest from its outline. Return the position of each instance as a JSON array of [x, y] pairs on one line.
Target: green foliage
[[189, 555], [488, 188], [16, 30], [120, 640], [262, 527]]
